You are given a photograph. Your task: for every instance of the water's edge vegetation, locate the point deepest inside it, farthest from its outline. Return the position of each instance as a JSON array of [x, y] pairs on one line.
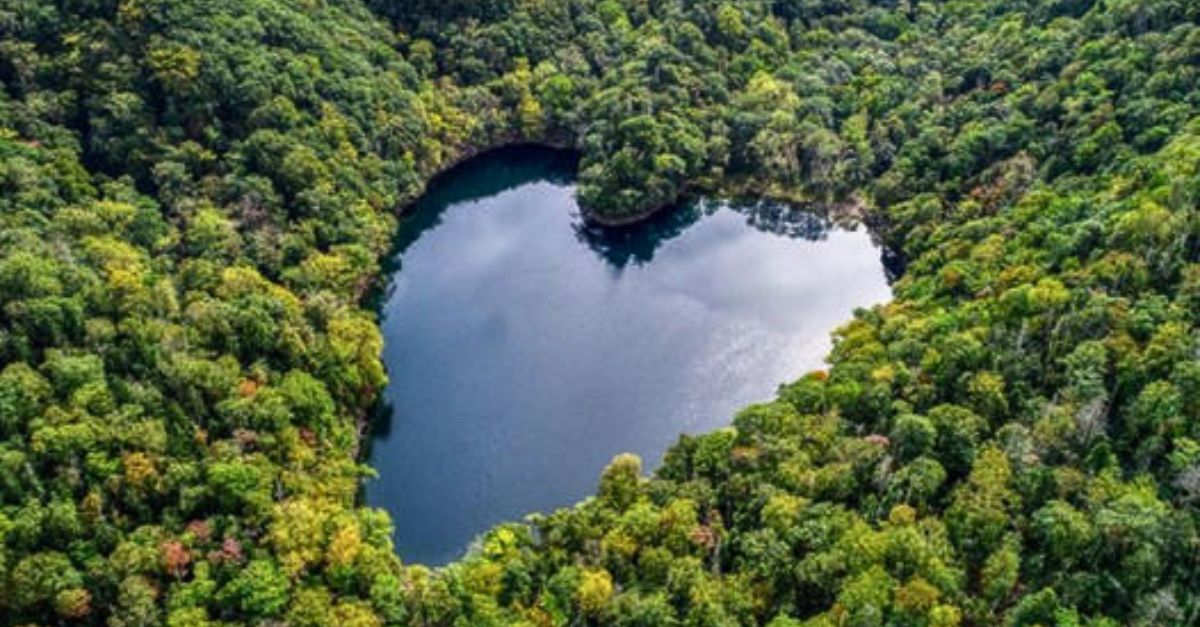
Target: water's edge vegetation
[[525, 347], [195, 198]]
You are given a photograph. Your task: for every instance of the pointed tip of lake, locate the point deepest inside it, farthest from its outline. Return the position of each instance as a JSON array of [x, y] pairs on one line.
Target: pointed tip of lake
[[525, 350]]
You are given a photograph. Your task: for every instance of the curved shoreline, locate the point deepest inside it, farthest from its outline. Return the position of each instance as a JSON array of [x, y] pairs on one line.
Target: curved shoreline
[[854, 206], [564, 143], [594, 219]]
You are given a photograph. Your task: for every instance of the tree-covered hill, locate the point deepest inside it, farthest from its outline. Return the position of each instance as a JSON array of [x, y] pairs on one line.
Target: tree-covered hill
[[195, 196]]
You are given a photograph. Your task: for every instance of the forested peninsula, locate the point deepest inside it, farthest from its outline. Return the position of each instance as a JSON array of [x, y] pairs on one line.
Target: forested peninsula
[[196, 196]]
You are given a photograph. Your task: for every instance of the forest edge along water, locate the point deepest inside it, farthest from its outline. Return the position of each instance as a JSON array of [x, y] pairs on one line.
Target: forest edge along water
[[526, 347]]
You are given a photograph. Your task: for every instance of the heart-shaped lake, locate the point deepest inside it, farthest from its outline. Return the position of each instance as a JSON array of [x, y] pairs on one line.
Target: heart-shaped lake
[[525, 351]]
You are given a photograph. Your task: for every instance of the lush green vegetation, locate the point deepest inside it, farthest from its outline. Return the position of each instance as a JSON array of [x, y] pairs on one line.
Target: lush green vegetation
[[194, 197]]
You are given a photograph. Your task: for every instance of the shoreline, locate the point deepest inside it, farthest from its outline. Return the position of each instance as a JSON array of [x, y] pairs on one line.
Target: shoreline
[[852, 209]]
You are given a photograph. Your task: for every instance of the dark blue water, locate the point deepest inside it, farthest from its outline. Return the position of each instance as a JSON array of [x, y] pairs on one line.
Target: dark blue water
[[525, 351]]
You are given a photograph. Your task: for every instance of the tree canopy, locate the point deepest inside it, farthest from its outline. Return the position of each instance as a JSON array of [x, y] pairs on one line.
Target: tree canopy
[[195, 198]]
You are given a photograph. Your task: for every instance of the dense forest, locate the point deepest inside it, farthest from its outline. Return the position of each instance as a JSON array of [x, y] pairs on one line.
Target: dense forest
[[195, 198]]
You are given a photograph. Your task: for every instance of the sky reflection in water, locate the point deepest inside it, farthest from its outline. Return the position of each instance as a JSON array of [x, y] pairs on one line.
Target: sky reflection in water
[[525, 350]]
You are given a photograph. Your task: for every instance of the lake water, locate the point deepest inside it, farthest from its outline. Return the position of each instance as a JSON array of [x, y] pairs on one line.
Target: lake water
[[524, 351]]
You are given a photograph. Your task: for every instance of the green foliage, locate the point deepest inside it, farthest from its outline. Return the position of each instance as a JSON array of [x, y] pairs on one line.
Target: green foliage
[[260, 590], [194, 199]]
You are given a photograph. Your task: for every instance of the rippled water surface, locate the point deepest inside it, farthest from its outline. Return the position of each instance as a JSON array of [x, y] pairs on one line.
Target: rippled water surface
[[525, 351]]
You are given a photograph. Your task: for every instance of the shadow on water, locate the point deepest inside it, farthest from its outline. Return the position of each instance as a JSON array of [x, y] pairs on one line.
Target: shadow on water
[[508, 168], [526, 348], [482, 177], [636, 245], [511, 167], [893, 264]]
